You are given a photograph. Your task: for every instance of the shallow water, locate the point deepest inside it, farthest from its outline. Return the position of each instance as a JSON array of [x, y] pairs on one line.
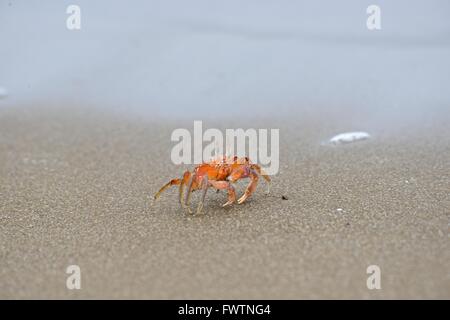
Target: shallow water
[[213, 60], [3, 92]]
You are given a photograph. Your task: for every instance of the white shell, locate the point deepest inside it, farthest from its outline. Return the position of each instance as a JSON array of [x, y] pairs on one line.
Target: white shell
[[349, 137]]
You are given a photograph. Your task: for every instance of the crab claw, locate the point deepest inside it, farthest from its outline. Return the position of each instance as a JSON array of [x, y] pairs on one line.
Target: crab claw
[[228, 203], [219, 185], [251, 186]]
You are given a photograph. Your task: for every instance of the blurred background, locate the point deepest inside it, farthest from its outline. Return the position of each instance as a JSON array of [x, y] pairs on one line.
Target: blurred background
[[210, 58]]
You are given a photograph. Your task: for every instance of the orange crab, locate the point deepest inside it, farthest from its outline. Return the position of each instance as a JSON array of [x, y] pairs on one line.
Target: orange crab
[[219, 173]]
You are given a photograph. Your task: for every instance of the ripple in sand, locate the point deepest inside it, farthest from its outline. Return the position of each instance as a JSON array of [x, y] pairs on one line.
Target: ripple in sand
[[349, 137]]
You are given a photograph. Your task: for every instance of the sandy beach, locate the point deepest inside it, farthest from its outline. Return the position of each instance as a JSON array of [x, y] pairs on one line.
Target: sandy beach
[[86, 117], [77, 188]]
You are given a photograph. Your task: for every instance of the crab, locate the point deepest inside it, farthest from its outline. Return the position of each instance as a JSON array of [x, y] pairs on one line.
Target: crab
[[218, 173]]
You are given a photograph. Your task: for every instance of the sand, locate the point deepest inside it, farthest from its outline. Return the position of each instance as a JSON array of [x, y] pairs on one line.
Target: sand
[[77, 184], [85, 123]]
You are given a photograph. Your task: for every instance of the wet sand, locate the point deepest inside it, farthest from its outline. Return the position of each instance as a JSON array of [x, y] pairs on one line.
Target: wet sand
[[77, 184]]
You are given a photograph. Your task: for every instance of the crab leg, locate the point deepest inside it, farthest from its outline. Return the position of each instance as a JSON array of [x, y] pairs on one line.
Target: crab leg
[[225, 185], [188, 194], [251, 186], [172, 182], [261, 172], [184, 182], [205, 186]]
